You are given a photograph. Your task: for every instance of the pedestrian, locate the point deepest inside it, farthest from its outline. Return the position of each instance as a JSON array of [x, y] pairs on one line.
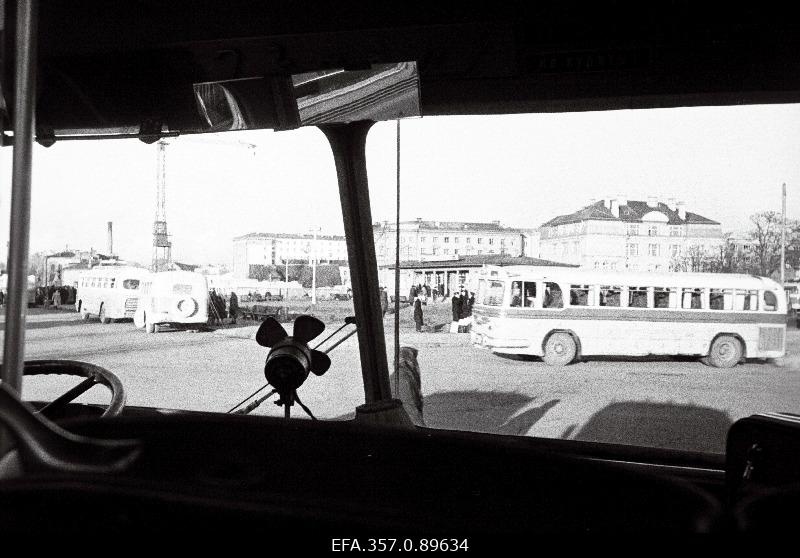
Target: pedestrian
[[2, 298], [384, 301], [56, 298], [233, 305], [456, 312], [411, 294], [418, 312]]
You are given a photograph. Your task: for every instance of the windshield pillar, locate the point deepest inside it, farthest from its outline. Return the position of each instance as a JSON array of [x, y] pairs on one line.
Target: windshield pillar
[[348, 143], [19, 234]]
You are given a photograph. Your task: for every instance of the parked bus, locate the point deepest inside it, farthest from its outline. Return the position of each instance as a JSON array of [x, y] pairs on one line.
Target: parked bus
[[173, 298], [562, 314], [31, 292], [109, 292]]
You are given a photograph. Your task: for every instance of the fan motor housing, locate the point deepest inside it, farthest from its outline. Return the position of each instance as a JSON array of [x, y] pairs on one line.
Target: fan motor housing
[[287, 364]]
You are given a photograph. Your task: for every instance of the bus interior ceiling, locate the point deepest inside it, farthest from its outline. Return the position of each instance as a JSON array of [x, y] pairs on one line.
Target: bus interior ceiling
[[128, 65]]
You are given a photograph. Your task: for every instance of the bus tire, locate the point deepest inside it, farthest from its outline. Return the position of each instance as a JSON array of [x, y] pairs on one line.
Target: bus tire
[[726, 351], [560, 349], [84, 314], [102, 315]]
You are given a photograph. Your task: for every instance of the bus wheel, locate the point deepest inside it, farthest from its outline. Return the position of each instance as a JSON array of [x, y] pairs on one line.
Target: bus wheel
[[726, 351], [84, 314], [103, 318], [560, 349]]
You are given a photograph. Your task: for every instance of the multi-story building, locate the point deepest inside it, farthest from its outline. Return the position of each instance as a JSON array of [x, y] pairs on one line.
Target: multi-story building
[[442, 240], [280, 248], [618, 233]]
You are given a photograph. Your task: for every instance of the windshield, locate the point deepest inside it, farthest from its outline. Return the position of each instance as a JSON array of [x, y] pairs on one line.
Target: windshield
[[621, 194]]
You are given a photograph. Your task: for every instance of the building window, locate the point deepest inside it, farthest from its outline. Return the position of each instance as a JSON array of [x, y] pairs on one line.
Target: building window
[[653, 250], [447, 240], [675, 250], [491, 241], [633, 230], [455, 239], [480, 252], [652, 230], [455, 251], [480, 240], [422, 239], [447, 250], [469, 240], [631, 249], [675, 231]]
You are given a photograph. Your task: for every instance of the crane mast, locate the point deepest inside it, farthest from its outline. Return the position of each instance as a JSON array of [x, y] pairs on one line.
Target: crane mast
[[162, 246]]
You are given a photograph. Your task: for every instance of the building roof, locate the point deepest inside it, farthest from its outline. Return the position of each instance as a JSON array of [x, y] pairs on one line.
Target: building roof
[[479, 261], [255, 235], [631, 212], [454, 226]]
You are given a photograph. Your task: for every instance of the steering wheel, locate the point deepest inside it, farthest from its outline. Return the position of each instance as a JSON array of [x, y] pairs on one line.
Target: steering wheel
[[93, 375]]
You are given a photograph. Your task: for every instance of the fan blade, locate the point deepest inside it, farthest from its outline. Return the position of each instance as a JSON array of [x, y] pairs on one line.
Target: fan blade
[[307, 328], [270, 333], [320, 362]]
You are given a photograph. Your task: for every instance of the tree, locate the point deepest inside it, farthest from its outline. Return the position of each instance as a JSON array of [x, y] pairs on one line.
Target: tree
[[264, 273], [327, 276], [766, 233]]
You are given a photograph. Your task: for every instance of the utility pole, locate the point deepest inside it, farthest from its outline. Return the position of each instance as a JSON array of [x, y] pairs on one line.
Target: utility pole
[[314, 269], [783, 235]]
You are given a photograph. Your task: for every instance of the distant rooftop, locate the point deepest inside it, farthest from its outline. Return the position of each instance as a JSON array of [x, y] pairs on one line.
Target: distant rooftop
[[493, 226], [480, 260], [631, 212], [289, 236]]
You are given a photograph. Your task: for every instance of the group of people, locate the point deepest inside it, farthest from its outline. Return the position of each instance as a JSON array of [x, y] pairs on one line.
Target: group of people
[[220, 307], [462, 302], [55, 296]]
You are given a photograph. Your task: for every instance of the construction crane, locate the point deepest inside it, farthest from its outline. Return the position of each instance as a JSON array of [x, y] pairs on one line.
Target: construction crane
[[162, 245]]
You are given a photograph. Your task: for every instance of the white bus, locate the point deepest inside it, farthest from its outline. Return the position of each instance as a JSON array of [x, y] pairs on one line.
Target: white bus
[[173, 298], [562, 314], [109, 292]]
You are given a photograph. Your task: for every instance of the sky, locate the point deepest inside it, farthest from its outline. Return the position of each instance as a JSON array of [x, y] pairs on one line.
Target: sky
[[726, 163]]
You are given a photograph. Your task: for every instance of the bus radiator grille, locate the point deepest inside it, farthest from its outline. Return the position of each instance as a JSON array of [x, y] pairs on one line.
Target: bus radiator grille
[[130, 306], [770, 339]]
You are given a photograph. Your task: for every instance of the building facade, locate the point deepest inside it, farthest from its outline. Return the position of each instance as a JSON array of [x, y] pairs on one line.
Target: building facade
[[280, 248], [618, 233], [437, 240]]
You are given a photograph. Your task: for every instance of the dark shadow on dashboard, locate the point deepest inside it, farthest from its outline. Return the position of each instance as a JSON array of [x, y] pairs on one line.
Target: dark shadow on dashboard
[[483, 411], [661, 425]]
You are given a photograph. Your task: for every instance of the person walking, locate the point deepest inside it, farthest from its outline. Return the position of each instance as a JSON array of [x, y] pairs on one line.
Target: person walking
[[418, 312], [384, 301], [233, 306], [56, 298], [456, 302]]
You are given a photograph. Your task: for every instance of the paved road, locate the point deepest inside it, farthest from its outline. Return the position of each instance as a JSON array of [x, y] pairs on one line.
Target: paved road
[[656, 402]]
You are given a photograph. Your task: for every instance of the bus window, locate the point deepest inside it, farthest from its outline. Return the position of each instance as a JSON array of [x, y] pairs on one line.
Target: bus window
[[637, 297], [516, 294], [692, 299], [552, 296], [745, 300], [610, 296], [494, 293], [664, 297], [130, 284], [579, 295], [530, 294], [720, 299], [182, 289], [770, 301]]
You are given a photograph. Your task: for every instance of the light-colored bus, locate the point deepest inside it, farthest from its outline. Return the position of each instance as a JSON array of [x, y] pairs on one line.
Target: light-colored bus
[[109, 292], [173, 298], [562, 314]]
